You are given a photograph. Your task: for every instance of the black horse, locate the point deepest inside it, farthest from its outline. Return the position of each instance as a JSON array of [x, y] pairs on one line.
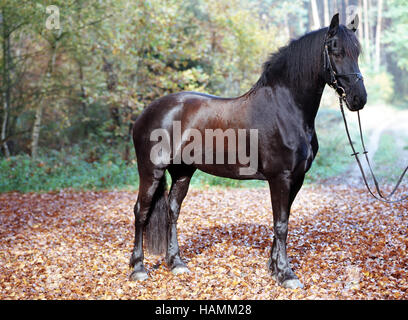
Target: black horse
[[281, 107]]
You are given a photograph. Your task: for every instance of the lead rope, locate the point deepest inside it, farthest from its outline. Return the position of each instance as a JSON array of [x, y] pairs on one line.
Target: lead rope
[[381, 197]]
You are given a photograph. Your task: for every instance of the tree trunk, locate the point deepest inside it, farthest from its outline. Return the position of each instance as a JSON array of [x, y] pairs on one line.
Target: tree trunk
[[6, 79], [315, 13], [371, 27], [335, 7], [346, 4], [39, 112], [36, 131], [81, 76], [82, 94], [81, 86], [111, 85], [326, 13], [360, 28], [366, 31], [309, 17], [342, 11], [378, 36], [4, 127]]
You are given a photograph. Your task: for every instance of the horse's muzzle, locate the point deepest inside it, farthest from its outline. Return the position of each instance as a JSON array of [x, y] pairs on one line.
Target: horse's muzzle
[[356, 103]]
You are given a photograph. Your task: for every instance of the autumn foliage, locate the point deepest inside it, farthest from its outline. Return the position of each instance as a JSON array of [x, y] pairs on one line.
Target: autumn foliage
[[76, 245]]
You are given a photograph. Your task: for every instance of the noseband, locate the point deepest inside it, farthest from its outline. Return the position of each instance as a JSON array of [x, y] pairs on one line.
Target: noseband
[[333, 83]]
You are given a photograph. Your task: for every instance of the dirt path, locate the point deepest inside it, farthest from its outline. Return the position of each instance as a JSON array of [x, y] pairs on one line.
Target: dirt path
[[376, 121]]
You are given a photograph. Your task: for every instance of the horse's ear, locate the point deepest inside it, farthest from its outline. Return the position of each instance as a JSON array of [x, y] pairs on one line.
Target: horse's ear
[[353, 23], [334, 25]]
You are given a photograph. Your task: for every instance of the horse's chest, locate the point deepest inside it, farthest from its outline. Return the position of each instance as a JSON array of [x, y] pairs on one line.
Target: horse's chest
[[304, 151], [299, 152], [304, 155]]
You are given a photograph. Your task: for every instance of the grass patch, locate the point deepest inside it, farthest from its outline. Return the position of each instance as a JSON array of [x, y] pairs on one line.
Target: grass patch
[[202, 179], [387, 152], [388, 160]]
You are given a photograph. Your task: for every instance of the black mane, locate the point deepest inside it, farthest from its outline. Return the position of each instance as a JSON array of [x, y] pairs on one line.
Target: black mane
[[302, 59]]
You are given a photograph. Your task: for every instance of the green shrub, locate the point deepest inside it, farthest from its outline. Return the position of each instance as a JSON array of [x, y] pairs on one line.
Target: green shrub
[[59, 171], [379, 85]]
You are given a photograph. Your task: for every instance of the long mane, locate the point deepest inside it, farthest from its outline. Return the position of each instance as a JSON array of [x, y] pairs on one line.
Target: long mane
[[302, 59]]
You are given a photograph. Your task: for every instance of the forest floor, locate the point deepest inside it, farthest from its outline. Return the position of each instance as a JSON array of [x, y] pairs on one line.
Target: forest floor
[[76, 245]]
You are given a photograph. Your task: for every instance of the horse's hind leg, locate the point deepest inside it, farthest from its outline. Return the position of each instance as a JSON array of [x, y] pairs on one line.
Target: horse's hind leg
[[181, 176], [148, 185]]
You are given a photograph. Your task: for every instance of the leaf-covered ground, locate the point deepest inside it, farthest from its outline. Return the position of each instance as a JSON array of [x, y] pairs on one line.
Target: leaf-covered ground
[[76, 245]]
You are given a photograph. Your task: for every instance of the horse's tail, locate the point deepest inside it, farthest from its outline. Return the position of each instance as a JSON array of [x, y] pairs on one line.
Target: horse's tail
[[155, 231]]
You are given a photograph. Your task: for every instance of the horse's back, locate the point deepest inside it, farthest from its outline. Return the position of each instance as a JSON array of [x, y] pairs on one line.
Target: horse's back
[[174, 107], [164, 111], [173, 114]]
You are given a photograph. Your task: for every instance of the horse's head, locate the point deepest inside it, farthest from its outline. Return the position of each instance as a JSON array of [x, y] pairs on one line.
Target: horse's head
[[342, 73]]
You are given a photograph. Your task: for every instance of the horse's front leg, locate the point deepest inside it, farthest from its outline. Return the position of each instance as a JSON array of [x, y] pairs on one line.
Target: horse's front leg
[[283, 190]]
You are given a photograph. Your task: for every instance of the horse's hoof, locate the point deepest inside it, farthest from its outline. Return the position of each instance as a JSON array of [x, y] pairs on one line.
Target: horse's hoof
[[138, 276], [292, 284], [180, 270]]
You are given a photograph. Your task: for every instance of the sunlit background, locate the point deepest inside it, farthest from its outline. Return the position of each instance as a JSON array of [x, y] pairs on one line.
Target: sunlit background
[[75, 76]]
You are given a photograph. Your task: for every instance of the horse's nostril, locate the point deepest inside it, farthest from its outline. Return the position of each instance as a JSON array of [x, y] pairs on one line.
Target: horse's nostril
[[356, 100]]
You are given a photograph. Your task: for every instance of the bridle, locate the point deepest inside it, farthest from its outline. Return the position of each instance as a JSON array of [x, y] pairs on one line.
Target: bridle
[[334, 83], [333, 75]]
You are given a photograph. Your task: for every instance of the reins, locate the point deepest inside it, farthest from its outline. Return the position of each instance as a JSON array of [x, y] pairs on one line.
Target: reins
[[333, 83], [381, 196]]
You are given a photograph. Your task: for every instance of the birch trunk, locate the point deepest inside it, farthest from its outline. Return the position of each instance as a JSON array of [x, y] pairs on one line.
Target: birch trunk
[[4, 127], [39, 112], [345, 6], [360, 32], [378, 36], [315, 13], [36, 131], [6, 77], [370, 26], [326, 13], [335, 7], [366, 31]]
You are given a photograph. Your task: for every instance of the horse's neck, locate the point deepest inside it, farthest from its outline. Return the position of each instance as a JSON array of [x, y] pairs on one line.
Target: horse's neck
[[308, 99]]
